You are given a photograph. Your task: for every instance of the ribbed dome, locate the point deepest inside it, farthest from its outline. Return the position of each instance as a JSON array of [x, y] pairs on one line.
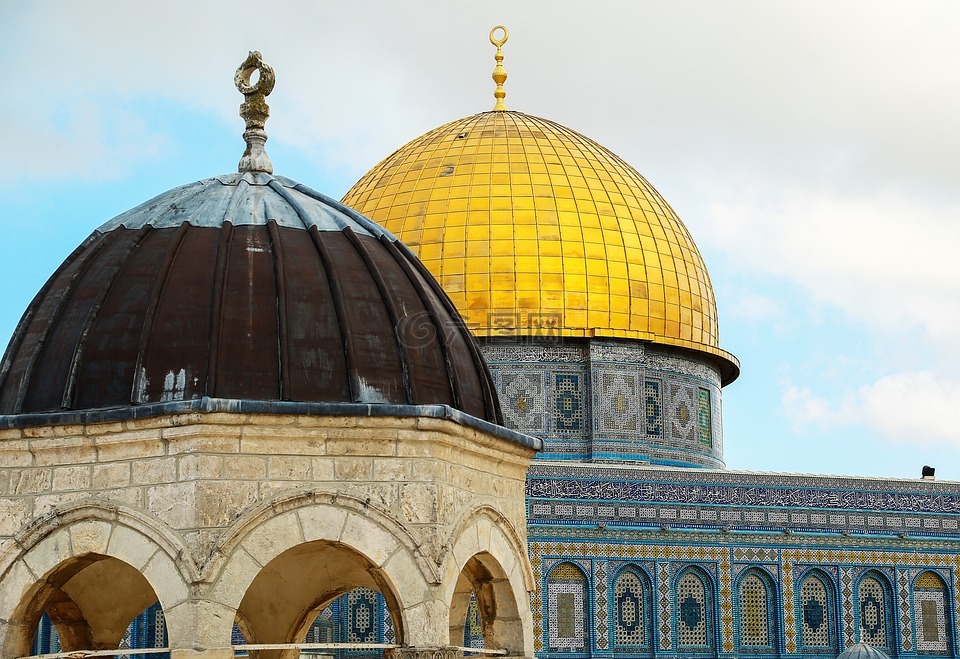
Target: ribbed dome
[[249, 287], [531, 228], [863, 651]]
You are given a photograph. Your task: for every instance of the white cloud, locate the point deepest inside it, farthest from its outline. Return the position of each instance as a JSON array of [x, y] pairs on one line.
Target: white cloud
[[888, 260], [914, 408], [753, 307]]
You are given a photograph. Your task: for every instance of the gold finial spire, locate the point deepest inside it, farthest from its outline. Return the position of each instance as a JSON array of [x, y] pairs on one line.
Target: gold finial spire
[[499, 73], [254, 111]]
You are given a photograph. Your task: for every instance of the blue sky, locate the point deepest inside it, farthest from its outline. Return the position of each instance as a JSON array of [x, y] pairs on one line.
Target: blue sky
[[810, 147]]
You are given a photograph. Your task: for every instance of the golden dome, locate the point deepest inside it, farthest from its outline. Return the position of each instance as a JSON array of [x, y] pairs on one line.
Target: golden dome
[[534, 229]]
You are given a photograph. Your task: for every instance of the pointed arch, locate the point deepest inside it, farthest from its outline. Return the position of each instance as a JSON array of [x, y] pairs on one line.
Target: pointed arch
[[631, 595], [756, 609], [873, 610], [817, 607], [693, 602], [568, 609], [932, 614]]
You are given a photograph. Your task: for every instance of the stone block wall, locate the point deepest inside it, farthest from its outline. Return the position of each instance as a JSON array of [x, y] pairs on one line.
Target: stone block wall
[[208, 499]]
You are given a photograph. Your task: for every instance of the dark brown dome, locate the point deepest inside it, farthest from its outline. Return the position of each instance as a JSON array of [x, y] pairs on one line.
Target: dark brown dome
[[245, 287]]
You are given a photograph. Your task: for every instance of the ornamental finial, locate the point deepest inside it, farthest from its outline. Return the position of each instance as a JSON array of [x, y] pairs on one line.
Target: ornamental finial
[[499, 73], [254, 110]]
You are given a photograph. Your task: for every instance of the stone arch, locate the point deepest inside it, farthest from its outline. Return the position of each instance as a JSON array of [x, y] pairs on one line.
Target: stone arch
[[756, 597], [60, 562], [631, 597], [874, 602], [932, 614], [488, 559], [315, 547], [816, 593], [694, 599]]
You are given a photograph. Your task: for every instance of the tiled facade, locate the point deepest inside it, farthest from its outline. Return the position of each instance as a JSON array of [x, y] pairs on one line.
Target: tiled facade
[[804, 575], [611, 401]]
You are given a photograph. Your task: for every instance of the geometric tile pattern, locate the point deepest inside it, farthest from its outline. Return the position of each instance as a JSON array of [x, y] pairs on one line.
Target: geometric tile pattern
[[816, 614], [789, 612], [665, 612], [362, 604], [473, 629], [601, 623], [523, 400], [673, 553], [846, 592], [567, 604], [903, 602], [617, 401], [754, 613], [653, 407], [726, 603], [630, 606], [872, 608], [929, 602], [683, 408], [568, 403], [693, 608], [704, 416]]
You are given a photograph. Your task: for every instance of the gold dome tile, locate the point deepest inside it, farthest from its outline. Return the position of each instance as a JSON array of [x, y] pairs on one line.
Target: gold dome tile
[[522, 219]]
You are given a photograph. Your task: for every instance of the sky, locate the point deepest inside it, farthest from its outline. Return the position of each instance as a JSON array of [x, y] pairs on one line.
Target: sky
[[812, 148]]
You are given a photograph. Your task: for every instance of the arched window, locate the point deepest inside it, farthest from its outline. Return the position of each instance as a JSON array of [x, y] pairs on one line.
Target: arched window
[[567, 608], [930, 607], [817, 621], [631, 608], [756, 628], [872, 612], [693, 612]]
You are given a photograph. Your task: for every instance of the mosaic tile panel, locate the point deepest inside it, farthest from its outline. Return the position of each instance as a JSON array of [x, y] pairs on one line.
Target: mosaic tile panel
[[567, 403], [617, 403], [390, 630], [693, 624], [754, 613], [473, 627], [726, 601], [601, 622], [846, 595], [523, 399], [630, 611], [930, 612], [664, 547], [362, 615], [704, 417], [816, 629], [789, 612], [665, 606], [653, 407], [903, 602], [872, 612], [682, 412], [567, 603]]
